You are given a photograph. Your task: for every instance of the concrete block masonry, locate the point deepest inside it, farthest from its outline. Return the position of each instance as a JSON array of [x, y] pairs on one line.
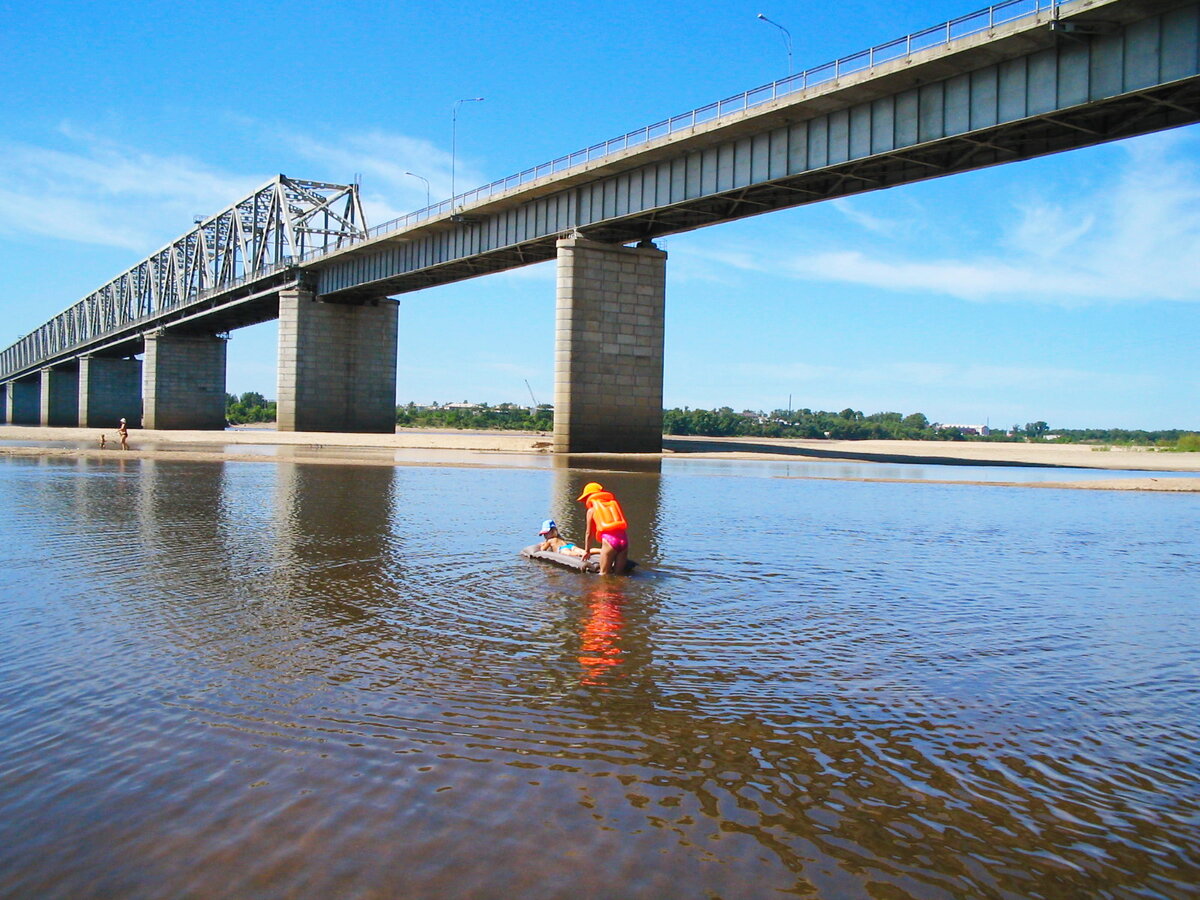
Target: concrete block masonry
[[60, 395], [337, 364], [609, 338], [109, 390], [25, 401], [183, 382]]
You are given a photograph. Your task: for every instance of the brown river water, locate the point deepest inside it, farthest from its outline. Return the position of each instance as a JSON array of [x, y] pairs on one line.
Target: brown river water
[[272, 679]]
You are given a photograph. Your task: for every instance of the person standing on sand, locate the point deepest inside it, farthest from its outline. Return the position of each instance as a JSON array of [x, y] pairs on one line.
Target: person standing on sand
[[606, 523], [123, 432]]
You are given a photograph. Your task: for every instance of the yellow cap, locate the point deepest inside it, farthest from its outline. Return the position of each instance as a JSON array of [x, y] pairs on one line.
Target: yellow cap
[[591, 488]]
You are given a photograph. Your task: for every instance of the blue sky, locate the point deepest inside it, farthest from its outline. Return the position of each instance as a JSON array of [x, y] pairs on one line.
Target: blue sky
[[1065, 289]]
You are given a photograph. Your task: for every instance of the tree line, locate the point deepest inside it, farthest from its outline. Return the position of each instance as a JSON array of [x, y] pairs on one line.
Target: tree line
[[505, 417], [248, 409], [853, 425], [848, 425]]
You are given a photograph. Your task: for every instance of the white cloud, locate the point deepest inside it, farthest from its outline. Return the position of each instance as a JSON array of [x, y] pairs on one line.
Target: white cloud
[[1134, 239], [707, 264], [1047, 231], [969, 280], [51, 214], [877, 224], [101, 192]]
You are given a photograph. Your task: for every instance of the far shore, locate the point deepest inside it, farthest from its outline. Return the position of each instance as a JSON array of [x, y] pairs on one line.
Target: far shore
[[450, 447]]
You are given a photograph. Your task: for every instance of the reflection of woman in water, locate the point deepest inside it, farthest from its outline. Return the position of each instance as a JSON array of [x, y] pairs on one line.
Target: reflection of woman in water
[[600, 634]]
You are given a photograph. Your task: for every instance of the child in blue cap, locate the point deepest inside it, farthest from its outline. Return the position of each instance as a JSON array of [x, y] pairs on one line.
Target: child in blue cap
[[554, 543]]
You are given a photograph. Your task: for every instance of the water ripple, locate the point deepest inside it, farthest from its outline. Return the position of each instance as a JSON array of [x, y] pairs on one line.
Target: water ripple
[[245, 679]]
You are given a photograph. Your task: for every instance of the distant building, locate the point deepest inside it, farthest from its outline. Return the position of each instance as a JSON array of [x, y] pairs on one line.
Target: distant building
[[981, 430]]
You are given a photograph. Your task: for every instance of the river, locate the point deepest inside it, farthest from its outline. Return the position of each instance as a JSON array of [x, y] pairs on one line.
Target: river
[[267, 679]]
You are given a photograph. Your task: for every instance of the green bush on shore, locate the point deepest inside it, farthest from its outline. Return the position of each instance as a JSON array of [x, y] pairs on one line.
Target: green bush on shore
[[251, 407], [1188, 443], [505, 417]]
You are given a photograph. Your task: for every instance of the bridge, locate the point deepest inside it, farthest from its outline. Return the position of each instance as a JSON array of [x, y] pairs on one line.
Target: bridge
[[1017, 80]]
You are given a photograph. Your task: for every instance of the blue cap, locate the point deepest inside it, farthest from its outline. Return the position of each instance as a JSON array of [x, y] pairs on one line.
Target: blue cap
[[546, 526]]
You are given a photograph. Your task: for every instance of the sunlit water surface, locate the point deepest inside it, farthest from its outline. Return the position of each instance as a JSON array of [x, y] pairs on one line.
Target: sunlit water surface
[[274, 679]]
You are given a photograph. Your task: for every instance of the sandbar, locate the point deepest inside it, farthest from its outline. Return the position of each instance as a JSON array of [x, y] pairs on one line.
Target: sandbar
[[451, 447]]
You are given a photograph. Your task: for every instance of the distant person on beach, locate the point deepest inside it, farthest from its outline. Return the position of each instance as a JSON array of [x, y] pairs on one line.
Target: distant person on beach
[[123, 433], [554, 542], [103, 441], [606, 524]]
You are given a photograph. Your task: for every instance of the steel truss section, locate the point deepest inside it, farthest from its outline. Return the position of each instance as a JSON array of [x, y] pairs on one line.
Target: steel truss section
[[270, 230]]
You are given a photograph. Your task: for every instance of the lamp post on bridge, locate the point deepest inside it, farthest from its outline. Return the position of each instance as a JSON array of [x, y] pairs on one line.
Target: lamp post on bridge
[[428, 202], [454, 143], [787, 37]]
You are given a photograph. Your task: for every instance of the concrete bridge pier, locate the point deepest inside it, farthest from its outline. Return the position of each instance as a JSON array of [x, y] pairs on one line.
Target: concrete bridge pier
[[110, 389], [608, 359], [4, 392], [337, 364], [59, 406], [25, 401], [183, 382]]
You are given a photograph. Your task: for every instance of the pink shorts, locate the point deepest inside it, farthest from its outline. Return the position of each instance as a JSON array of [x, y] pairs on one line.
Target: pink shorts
[[616, 539]]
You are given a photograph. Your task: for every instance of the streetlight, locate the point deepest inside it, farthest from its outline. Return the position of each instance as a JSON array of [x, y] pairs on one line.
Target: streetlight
[[454, 141], [787, 37], [428, 202]]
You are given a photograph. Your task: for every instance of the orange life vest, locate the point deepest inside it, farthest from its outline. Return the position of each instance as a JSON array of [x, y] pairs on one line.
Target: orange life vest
[[607, 514]]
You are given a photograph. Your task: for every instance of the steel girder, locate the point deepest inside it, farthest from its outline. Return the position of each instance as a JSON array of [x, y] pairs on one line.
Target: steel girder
[[266, 232], [1139, 112]]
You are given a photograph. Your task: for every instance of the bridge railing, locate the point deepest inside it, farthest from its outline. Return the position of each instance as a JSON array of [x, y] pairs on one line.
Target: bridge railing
[[939, 35]]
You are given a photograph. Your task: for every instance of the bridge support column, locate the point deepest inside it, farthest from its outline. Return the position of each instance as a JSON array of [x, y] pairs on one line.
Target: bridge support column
[[59, 397], [25, 401], [337, 364], [608, 359], [183, 382], [109, 390], [5, 390]]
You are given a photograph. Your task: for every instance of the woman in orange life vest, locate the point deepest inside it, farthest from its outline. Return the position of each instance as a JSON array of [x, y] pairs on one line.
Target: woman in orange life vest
[[606, 523]]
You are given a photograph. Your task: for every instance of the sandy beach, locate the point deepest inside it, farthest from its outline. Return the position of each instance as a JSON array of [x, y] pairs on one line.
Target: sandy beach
[[431, 447]]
